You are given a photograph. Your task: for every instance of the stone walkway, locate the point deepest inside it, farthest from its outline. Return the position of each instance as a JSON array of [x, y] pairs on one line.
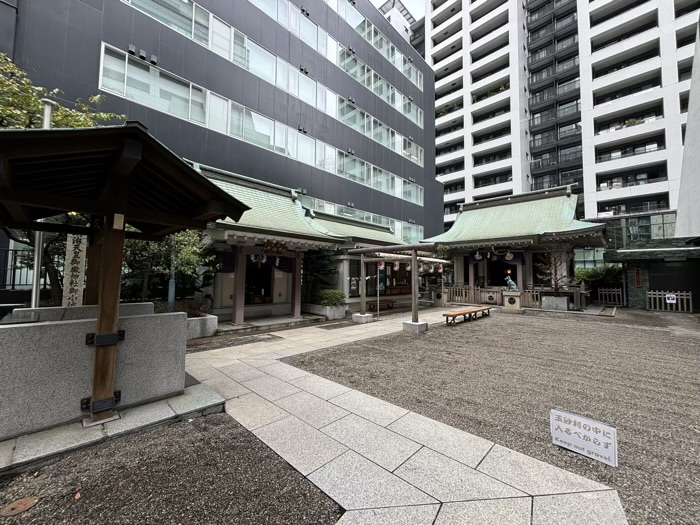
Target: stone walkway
[[382, 463]]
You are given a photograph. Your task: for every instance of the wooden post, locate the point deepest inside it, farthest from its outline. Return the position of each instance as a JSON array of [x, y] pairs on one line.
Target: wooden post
[[363, 285], [239, 287], [415, 278], [296, 285], [92, 287], [105, 362]]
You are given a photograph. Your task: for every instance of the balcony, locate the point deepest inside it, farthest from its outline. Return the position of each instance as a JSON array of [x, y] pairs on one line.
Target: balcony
[[542, 163], [569, 110], [569, 87], [541, 75], [567, 65], [612, 184], [623, 209], [491, 93], [543, 140], [566, 158], [542, 96], [627, 123], [629, 151], [450, 170], [542, 118], [540, 54]]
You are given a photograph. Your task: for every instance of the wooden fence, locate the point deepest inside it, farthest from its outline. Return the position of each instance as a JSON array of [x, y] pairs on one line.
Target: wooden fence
[[611, 296], [664, 301], [531, 298], [473, 295]]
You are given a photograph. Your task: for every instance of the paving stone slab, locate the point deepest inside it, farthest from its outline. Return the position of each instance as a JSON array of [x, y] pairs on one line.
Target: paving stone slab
[[418, 515], [195, 398], [252, 411], [261, 360], [225, 386], [56, 440], [512, 511], [368, 407], [320, 386], [448, 480], [139, 417], [449, 441], [356, 483], [6, 449], [270, 387], [372, 441], [240, 372], [284, 371], [302, 446], [311, 409], [199, 369], [588, 508], [533, 476]]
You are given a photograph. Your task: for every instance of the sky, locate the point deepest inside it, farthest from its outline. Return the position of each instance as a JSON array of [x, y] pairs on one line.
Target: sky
[[416, 7]]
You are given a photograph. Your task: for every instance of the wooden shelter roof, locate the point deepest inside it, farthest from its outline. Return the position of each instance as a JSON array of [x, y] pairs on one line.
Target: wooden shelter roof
[[102, 171]]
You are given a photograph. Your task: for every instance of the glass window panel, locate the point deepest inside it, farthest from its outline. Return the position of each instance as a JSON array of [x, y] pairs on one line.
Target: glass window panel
[[380, 133], [308, 32], [280, 138], [236, 128], [341, 8], [282, 74], [321, 97], [294, 16], [333, 4], [294, 81], [173, 13], [221, 38], [201, 25], [307, 90], [320, 155], [113, 70], [283, 12], [197, 105], [173, 95], [322, 42], [258, 129], [332, 50], [240, 51], [218, 113], [266, 6], [306, 151], [354, 18], [332, 103], [292, 141], [261, 62], [140, 83]]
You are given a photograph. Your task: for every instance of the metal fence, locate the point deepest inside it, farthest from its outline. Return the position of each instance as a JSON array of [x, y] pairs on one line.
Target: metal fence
[[668, 301], [17, 269], [611, 296]]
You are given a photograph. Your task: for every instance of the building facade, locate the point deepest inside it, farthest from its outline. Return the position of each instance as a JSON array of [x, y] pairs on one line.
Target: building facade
[[325, 97], [537, 94]]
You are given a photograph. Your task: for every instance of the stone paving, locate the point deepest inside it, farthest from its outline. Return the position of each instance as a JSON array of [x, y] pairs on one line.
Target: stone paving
[[382, 463]]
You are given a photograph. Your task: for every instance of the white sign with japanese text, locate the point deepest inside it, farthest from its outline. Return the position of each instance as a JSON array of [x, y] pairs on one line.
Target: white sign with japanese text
[[671, 298], [584, 436]]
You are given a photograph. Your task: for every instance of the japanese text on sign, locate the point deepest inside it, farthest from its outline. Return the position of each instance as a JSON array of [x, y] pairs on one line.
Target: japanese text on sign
[[584, 436]]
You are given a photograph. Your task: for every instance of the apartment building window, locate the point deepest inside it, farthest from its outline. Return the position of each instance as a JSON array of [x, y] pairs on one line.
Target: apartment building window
[[639, 88], [569, 108], [571, 153], [174, 13], [568, 130], [221, 38], [218, 113]]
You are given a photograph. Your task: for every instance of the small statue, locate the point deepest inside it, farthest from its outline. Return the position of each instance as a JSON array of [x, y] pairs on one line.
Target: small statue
[[510, 284]]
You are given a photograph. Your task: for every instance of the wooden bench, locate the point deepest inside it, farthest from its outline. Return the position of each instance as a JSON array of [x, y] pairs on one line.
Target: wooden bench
[[373, 306], [468, 314]]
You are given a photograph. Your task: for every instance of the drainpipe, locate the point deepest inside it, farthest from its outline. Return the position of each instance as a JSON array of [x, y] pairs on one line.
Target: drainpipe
[[39, 236]]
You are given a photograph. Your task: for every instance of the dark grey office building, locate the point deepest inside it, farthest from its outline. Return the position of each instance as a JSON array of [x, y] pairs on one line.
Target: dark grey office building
[[321, 96]]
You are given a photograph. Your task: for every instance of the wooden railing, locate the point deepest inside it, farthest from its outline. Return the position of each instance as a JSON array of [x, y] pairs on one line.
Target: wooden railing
[[611, 296], [531, 298], [663, 301], [473, 295]]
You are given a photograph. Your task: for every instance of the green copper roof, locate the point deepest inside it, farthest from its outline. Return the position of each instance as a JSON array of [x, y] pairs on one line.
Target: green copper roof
[[527, 216], [276, 210], [354, 230]]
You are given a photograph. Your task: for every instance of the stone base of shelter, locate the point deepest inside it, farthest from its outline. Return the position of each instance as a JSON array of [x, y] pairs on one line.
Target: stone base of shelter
[[415, 328], [362, 318]]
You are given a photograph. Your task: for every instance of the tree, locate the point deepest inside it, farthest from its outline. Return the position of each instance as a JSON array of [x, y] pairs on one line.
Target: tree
[[21, 108], [554, 265], [320, 269]]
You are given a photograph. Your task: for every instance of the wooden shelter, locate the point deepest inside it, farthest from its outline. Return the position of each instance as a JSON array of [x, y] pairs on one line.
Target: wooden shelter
[[120, 176]]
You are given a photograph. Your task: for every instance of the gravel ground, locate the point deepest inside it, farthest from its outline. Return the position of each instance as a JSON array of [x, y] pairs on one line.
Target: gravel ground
[[206, 471], [499, 377]]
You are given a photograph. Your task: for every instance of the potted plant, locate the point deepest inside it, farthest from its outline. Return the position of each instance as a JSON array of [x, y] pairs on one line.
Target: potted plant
[[329, 303]]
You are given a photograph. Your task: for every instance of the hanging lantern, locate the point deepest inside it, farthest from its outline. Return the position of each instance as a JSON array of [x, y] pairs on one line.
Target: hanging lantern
[[396, 266], [408, 267], [441, 268], [508, 256], [478, 256], [380, 265], [421, 268], [431, 268]]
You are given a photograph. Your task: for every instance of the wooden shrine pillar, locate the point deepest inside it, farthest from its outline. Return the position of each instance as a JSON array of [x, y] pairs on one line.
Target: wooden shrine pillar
[[92, 286], [239, 286], [106, 337], [296, 285]]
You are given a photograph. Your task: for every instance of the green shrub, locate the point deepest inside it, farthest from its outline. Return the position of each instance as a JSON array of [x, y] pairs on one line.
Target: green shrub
[[607, 276], [331, 298]]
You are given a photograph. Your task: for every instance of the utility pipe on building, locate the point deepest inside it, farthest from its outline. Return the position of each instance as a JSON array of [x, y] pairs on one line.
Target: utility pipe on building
[[38, 235]]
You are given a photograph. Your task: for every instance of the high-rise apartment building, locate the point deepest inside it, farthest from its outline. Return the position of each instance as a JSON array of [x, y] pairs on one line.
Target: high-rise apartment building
[[323, 96], [541, 93]]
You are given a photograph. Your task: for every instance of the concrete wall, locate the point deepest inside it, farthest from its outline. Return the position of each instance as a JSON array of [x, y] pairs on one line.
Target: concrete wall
[[202, 326], [74, 313], [47, 368]]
